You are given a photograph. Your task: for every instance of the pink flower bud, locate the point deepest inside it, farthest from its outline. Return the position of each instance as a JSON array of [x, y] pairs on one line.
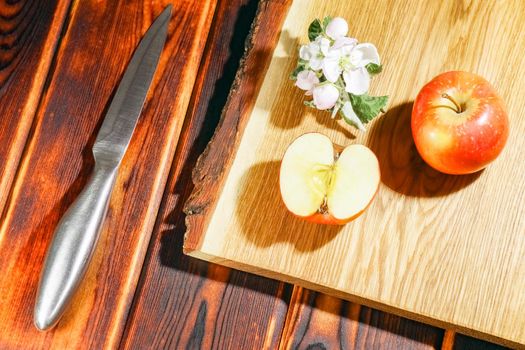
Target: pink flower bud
[[306, 80], [325, 96]]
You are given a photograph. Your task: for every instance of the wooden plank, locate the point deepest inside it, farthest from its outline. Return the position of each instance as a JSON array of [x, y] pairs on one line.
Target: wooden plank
[[463, 342], [448, 340], [319, 321], [456, 341], [444, 249], [29, 33], [93, 55], [182, 302]]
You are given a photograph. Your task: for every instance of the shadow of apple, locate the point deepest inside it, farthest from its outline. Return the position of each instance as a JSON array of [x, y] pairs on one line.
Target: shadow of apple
[[264, 219], [402, 168]]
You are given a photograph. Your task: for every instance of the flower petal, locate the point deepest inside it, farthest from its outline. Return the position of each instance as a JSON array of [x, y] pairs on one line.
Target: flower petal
[[325, 96], [306, 80], [357, 81], [350, 116], [363, 54], [324, 45], [305, 53], [314, 48], [331, 69], [337, 28], [344, 41], [316, 63]]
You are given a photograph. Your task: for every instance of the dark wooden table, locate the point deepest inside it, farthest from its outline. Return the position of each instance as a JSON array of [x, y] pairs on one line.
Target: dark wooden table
[[174, 301]]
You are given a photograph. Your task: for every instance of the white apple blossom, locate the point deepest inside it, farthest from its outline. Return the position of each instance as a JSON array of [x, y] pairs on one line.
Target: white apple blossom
[[355, 75], [334, 61], [363, 54], [325, 96], [314, 52], [306, 80], [337, 28], [336, 70], [350, 59]]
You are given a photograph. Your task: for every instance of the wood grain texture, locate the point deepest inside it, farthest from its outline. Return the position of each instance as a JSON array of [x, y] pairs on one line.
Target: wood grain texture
[[443, 249], [182, 302], [94, 52], [29, 33], [319, 321]]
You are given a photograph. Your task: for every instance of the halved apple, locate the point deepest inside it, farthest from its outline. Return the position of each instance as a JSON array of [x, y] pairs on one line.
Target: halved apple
[[323, 183]]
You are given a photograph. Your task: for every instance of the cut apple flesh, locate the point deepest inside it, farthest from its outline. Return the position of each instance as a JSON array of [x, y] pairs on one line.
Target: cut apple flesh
[[315, 179]]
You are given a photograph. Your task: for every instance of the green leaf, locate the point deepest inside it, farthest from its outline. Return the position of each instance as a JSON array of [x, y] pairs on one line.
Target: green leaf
[[315, 29], [367, 107], [326, 20], [373, 68], [296, 71]]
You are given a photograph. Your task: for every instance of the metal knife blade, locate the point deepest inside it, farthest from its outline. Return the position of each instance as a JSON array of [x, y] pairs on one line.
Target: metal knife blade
[[123, 113], [77, 233]]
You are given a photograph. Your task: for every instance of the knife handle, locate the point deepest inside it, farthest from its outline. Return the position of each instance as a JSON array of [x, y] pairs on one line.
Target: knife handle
[[72, 247]]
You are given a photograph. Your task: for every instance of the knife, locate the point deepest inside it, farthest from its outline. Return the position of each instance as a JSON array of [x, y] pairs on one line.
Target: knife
[[77, 233]]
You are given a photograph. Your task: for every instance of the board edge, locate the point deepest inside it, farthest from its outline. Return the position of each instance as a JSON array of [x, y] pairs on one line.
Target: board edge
[[429, 320], [213, 165]]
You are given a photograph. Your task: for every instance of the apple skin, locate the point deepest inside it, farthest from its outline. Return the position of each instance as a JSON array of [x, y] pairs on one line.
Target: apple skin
[[327, 218], [459, 143]]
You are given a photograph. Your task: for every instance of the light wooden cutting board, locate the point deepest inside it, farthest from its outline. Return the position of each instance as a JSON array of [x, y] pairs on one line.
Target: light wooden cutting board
[[449, 250]]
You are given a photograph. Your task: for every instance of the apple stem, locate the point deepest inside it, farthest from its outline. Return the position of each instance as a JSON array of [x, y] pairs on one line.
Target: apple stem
[[324, 206], [458, 106]]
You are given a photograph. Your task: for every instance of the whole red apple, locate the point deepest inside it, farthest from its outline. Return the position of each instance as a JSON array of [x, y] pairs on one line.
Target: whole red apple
[[459, 123]]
